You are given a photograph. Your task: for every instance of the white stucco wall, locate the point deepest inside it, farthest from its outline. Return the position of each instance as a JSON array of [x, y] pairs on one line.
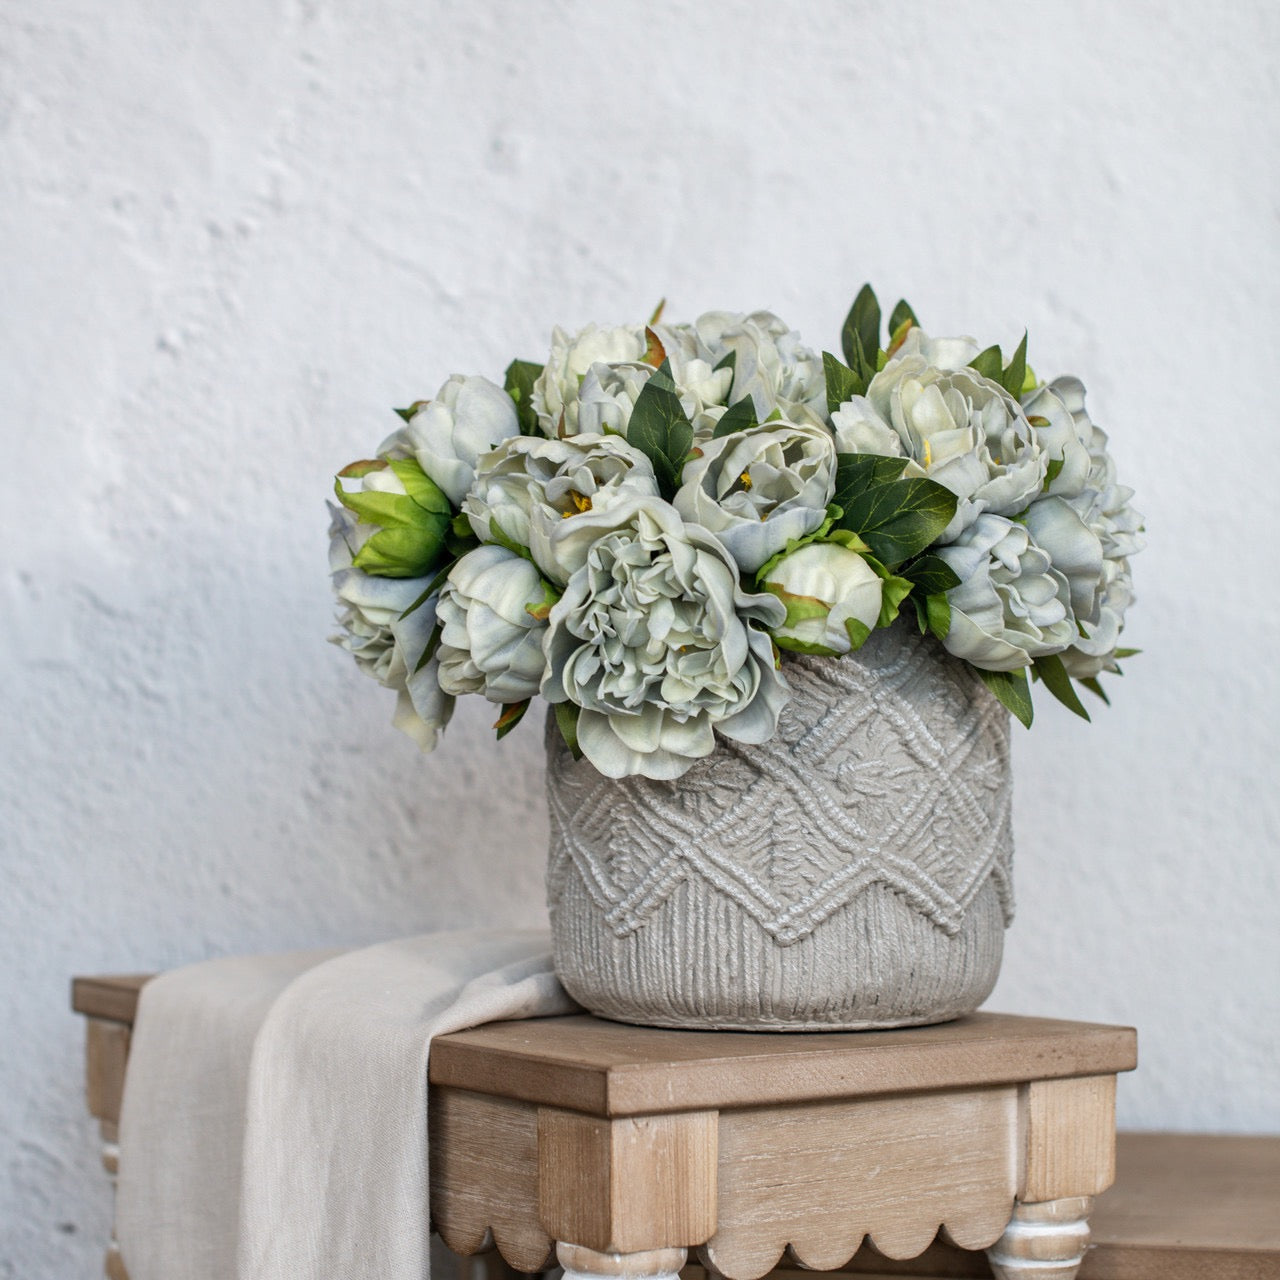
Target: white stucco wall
[[233, 232]]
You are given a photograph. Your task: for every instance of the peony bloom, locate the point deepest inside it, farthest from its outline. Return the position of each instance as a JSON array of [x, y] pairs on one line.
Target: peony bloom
[[529, 485], [387, 645], [1012, 605], [657, 643], [1106, 509], [771, 364], [757, 490], [609, 393], [832, 596], [493, 612], [449, 434], [962, 430]]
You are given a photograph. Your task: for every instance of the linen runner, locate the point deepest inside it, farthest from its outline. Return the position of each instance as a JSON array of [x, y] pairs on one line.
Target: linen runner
[[274, 1123]]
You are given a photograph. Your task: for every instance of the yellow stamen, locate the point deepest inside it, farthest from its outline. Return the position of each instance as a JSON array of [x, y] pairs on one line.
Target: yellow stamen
[[928, 454], [581, 502], [745, 480]]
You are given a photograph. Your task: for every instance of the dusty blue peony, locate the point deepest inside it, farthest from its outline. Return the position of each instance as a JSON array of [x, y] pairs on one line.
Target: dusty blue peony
[[529, 485], [449, 434], [962, 430], [661, 648], [493, 611], [1012, 605], [771, 365], [385, 644], [757, 490]]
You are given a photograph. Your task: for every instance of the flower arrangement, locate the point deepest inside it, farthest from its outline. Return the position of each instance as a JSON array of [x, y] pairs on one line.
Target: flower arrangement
[[638, 527]]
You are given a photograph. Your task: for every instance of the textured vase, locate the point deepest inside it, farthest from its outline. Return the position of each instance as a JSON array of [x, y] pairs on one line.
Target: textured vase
[[852, 872]]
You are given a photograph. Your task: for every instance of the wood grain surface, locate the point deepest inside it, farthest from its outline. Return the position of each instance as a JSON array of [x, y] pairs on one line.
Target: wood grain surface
[[611, 1069], [820, 1176], [113, 997]]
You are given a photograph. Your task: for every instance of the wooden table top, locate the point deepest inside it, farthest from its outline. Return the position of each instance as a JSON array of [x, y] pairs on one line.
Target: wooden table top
[[611, 1069]]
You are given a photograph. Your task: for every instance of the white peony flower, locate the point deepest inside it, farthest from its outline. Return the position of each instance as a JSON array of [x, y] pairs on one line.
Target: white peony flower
[[657, 643], [555, 393], [757, 490], [964, 431], [1074, 550], [609, 393], [832, 596], [771, 364], [385, 644], [1012, 605], [1063, 438], [529, 485], [493, 611], [1106, 509], [450, 433], [949, 354]]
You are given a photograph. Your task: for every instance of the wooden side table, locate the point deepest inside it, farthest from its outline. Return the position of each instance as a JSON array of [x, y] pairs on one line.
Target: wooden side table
[[619, 1149]]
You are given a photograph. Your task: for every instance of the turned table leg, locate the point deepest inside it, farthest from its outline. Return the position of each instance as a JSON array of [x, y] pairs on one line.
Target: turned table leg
[[1046, 1240], [581, 1263]]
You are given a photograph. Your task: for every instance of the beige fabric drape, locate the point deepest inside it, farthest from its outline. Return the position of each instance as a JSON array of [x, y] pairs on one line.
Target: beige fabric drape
[[274, 1124]]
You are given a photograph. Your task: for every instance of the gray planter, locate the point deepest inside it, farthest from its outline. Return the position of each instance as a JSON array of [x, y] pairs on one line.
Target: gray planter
[[854, 872]]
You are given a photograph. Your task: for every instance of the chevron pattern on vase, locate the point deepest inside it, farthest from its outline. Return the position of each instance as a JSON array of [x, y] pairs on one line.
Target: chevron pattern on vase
[[890, 768]]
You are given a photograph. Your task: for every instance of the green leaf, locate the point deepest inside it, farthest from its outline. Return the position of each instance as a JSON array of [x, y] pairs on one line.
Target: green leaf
[[900, 315], [1053, 471], [512, 714], [858, 472], [1127, 653], [411, 527], [1012, 377], [737, 417], [900, 519], [937, 613], [1053, 675], [420, 486], [799, 608], [541, 610], [842, 383], [660, 429], [922, 613], [931, 575], [521, 375], [458, 544], [499, 535], [860, 335], [1012, 689], [989, 363], [567, 723], [728, 361], [1091, 683], [894, 591], [399, 552], [792, 645], [857, 633], [433, 643], [663, 375], [432, 587], [407, 415]]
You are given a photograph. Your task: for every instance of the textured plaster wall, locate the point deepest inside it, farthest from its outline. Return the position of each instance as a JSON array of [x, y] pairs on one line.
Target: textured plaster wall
[[232, 232]]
